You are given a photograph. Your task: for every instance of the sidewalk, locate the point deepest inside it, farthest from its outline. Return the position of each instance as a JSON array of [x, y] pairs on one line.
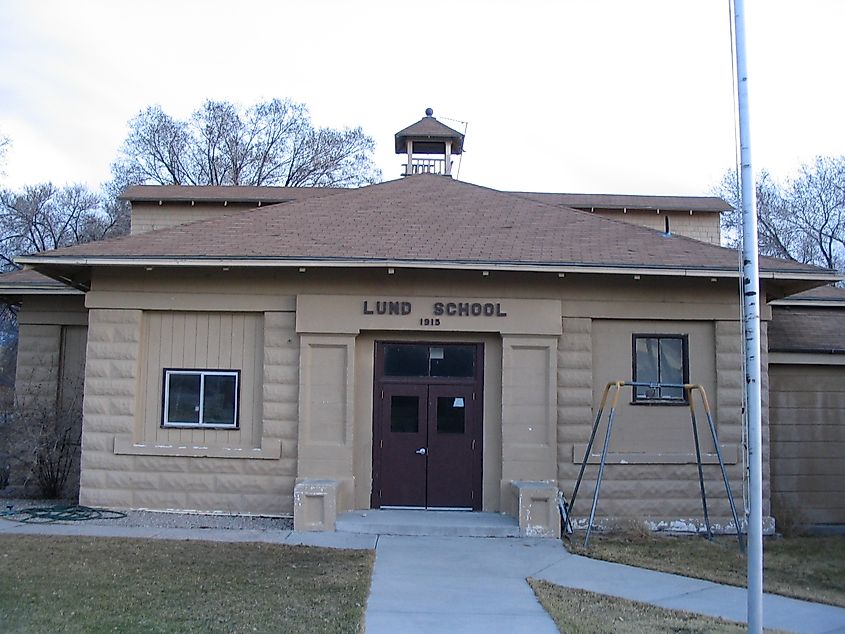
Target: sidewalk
[[470, 584]]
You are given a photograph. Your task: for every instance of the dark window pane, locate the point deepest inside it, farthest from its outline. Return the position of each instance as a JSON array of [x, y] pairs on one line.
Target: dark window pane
[[660, 360], [404, 414], [453, 361], [218, 407], [647, 354], [183, 404], [672, 366], [450, 414], [405, 360]]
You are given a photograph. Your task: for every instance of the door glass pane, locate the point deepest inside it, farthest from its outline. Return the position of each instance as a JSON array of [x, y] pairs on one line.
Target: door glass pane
[[218, 406], [404, 414], [456, 361], [183, 403], [405, 360], [450, 414]]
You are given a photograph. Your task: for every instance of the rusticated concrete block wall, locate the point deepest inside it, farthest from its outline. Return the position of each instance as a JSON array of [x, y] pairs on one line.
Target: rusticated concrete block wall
[[281, 402], [575, 396], [174, 479], [111, 375]]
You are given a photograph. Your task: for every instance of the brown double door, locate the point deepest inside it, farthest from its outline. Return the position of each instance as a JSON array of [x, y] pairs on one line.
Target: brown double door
[[427, 426]]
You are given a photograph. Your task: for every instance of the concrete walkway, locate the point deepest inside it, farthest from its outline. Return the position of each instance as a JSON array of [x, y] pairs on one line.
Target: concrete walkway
[[458, 584], [470, 584]]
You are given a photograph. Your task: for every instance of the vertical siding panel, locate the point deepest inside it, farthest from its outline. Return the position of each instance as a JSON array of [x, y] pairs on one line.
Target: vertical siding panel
[[155, 364], [143, 379], [256, 421], [213, 335], [204, 341], [232, 350], [172, 341], [180, 332], [201, 325], [227, 345], [202, 358], [148, 348], [248, 377]]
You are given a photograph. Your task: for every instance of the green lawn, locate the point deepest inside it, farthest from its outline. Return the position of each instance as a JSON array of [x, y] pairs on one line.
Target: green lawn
[[73, 584], [811, 568]]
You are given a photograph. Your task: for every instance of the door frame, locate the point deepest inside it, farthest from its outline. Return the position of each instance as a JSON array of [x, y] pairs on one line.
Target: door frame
[[477, 383]]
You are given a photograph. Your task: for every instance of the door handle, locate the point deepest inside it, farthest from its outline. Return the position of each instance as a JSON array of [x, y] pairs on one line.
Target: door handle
[[421, 451]]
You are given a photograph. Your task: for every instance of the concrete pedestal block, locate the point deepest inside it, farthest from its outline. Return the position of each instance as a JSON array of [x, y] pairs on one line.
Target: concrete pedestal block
[[536, 504], [315, 505]]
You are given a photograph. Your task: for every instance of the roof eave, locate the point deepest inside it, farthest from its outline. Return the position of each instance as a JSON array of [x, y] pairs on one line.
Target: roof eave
[[551, 267], [13, 291]]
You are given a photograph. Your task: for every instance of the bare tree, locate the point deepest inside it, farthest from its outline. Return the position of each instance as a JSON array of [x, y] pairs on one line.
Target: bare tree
[[803, 220], [43, 217], [5, 144], [817, 205], [269, 143]]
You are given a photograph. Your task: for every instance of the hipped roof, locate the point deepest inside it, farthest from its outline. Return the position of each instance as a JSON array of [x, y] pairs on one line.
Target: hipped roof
[[821, 296], [427, 221]]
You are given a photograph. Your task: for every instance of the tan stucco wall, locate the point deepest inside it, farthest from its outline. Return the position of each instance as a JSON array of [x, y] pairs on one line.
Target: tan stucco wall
[[652, 430], [540, 389], [699, 226], [651, 468], [150, 216]]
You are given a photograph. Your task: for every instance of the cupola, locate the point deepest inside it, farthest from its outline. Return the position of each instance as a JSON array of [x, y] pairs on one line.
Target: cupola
[[429, 146]]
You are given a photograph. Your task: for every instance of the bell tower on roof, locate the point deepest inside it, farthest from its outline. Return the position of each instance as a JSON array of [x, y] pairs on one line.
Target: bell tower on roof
[[429, 146]]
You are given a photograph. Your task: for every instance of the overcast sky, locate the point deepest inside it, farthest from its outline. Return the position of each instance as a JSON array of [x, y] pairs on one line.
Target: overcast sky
[[568, 95]]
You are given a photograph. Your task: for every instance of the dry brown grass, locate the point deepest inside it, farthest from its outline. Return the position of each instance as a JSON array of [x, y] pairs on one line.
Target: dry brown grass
[[75, 584], [811, 568], [583, 612]]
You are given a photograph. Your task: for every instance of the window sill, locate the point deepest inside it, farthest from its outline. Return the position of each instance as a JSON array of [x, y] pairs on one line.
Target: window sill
[[271, 449], [659, 403], [730, 454], [198, 427]]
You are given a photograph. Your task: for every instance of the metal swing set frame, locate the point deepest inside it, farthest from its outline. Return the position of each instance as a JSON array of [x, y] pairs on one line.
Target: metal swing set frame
[[689, 390]]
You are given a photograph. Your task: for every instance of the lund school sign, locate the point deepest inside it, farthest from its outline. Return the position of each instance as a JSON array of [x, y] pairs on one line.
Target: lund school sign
[[338, 314], [438, 309]]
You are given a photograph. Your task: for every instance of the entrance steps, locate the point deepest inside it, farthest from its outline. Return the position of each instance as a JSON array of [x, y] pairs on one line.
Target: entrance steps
[[427, 523]]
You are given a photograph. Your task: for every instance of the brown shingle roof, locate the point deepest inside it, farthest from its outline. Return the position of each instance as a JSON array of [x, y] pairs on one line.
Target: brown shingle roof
[[821, 295], [229, 193], [629, 201], [28, 282], [794, 329], [421, 219]]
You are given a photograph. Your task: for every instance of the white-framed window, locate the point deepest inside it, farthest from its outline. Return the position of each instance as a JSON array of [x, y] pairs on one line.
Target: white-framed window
[[660, 360], [201, 398]]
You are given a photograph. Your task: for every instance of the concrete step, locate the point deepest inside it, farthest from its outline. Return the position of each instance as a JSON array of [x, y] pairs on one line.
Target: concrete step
[[427, 523]]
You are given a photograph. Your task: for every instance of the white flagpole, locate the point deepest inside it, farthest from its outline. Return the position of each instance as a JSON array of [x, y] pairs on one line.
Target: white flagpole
[[751, 315]]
